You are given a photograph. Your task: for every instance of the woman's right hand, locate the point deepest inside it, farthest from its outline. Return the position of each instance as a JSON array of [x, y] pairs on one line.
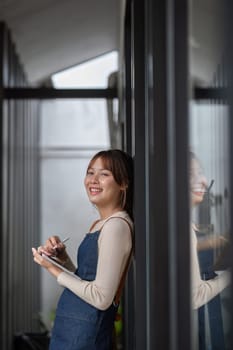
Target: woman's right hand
[[53, 247]]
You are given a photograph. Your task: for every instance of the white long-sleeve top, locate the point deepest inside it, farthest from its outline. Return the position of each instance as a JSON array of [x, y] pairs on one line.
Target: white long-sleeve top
[[114, 247], [203, 291]]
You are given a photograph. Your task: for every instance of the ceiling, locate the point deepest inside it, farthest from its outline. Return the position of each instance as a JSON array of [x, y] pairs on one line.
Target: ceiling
[[51, 35]]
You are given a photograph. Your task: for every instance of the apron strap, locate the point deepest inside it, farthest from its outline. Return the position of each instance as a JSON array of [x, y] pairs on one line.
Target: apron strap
[[94, 223]]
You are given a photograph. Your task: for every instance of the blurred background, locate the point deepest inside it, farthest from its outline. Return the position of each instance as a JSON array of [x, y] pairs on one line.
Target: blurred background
[[153, 78]]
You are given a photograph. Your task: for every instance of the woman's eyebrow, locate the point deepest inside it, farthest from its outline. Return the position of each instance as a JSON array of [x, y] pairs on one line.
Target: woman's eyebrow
[[92, 168]]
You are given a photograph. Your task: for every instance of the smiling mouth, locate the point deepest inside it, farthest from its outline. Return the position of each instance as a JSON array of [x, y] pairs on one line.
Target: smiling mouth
[[199, 192], [94, 191]]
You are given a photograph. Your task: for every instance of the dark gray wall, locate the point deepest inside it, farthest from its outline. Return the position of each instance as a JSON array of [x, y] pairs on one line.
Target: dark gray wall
[[19, 201]]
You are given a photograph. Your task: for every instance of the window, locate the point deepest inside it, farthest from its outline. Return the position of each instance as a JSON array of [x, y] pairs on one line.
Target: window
[[71, 132]]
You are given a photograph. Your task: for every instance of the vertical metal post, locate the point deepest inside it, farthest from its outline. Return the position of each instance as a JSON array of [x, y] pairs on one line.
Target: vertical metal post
[[229, 66], [160, 112], [138, 149]]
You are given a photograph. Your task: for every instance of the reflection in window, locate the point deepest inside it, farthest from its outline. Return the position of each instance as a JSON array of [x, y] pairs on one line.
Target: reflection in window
[[210, 215]]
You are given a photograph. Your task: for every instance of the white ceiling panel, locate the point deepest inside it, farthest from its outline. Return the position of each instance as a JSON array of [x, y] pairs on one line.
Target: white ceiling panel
[[51, 35]]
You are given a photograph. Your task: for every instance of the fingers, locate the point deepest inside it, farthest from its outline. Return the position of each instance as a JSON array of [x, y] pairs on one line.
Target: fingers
[[53, 241], [53, 246], [57, 247], [34, 251], [38, 258]]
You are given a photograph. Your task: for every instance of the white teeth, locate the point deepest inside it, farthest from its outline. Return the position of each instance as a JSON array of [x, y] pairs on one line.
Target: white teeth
[[200, 190], [95, 190]]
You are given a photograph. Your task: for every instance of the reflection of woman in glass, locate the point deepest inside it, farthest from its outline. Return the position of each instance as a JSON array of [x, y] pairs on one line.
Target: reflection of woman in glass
[[202, 291]]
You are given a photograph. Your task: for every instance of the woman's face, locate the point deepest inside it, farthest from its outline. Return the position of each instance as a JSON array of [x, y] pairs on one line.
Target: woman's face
[[198, 182], [101, 187]]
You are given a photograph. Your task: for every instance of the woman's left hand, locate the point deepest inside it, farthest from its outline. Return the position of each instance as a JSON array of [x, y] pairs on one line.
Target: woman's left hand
[[38, 258]]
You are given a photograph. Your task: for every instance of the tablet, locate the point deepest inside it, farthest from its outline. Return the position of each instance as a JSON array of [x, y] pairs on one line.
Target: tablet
[[55, 262]]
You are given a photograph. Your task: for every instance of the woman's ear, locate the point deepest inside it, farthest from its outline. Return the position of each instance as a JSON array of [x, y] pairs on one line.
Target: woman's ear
[[123, 187]]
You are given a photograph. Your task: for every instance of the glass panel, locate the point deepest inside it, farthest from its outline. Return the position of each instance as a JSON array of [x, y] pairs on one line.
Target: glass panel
[[91, 74], [209, 182], [210, 217], [75, 123], [71, 132]]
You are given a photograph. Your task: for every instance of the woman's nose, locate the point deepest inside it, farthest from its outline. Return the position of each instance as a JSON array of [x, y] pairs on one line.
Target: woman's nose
[[94, 178]]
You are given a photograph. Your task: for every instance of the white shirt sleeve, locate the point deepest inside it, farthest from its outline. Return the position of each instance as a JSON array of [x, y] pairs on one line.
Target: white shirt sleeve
[[114, 247], [203, 291]]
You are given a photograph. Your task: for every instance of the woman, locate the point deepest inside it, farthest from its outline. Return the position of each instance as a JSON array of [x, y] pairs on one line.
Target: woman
[[87, 307], [202, 291]]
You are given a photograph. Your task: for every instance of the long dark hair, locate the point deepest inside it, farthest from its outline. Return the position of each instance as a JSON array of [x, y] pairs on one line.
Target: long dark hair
[[120, 164]]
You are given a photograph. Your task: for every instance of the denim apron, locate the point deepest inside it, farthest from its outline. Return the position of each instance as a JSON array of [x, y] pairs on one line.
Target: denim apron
[[79, 325]]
